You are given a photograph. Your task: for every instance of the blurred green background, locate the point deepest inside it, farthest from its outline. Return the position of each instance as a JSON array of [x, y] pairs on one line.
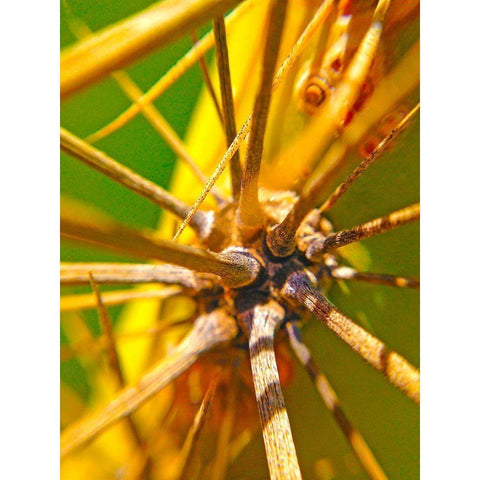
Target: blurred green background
[[387, 419]]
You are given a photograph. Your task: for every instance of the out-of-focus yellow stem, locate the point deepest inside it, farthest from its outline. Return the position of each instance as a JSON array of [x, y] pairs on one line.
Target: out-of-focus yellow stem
[[115, 47]]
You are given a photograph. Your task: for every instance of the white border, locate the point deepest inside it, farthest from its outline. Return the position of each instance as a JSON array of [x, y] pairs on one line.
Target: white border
[[29, 338], [449, 239]]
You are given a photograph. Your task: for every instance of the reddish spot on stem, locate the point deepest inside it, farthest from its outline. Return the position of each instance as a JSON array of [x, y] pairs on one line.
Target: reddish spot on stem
[[367, 147], [336, 65], [348, 118], [365, 92]]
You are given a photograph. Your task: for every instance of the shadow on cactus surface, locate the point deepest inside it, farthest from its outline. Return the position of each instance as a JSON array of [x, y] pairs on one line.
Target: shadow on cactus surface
[[156, 367]]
